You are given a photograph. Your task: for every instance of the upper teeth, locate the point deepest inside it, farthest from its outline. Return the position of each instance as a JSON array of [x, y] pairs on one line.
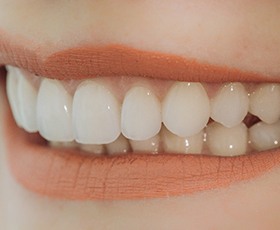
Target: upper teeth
[[93, 114]]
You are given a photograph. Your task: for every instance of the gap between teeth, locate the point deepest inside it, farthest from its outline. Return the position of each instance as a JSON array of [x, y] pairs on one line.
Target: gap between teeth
[[105, 115]]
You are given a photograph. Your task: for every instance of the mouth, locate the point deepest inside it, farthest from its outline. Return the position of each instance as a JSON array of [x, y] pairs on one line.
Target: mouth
[[114, 122]]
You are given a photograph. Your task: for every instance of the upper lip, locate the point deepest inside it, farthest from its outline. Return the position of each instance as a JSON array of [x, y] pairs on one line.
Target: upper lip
[[118, 60]]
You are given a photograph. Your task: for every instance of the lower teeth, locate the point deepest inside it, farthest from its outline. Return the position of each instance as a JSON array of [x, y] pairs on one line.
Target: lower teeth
[[215, 139]]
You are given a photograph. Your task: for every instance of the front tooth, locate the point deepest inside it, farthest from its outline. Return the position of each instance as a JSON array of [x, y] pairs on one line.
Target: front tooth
[[230, 105], [264, 136], [27, 96], [186, 109], [225, 141], [54, 111], [174, 144], [96, 149], [12, 92], [151, 145], [96, 114], [265, 103], [141, 114], [121, 145]]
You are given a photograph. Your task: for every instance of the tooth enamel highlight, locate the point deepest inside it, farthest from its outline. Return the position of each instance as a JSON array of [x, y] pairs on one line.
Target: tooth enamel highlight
[[121, 145], [225, 141], [186, 109], [265, 102], [54, 111], [27, 96], [174, 144], [96, 114], [12, 93], [141, 114], [264, 136], [230, 105], [151, 145]]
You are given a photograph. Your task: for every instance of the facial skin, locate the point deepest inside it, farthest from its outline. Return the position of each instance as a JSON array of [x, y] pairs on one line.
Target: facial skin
[[233, 33]]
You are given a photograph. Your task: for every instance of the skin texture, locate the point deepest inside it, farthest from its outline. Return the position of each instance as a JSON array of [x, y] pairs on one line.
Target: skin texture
[[236, 33]]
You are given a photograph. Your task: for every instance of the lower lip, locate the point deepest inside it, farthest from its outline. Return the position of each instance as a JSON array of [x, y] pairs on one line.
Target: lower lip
[[68, 174]]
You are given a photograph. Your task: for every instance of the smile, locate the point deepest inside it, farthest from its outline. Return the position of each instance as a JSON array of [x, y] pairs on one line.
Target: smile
[[135, 134]]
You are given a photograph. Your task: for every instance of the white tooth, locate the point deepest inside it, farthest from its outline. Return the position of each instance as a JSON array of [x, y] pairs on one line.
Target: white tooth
[[174, 144], [68, 145], [96, 114], [96, 149], [13, 76], [151, 145], [225, 141], [121, 145], [230, 105], [264, 136], [54, 111], [265, 102], [27, 96], [141, 114], [186, 109]]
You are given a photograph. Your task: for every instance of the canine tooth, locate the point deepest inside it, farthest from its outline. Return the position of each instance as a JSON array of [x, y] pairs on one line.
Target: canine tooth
[[150, 145], [121, 145], [174, 144], [27, 96], [264, 136], [265, 102], [230, 105], [13, 76], [96, 114], [225, 141], [54, 111], [141, 114], [186, 109], [96, 149]]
